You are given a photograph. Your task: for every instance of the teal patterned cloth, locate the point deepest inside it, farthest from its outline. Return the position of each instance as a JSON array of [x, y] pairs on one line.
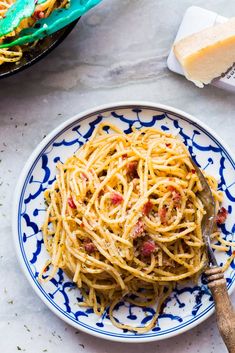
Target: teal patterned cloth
[[18, 11], [58, 19]]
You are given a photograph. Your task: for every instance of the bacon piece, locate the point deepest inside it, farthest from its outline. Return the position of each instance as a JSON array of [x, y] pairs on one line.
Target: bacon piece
[[116, 199], [71, 202], [132, 169], [89, 246], [221, 216], [147, 208], [138, 229], [124, 156], [38, 15], [162, 214], [171, 188], [148, 248], [193, 171], [168, 144], [176, 196]]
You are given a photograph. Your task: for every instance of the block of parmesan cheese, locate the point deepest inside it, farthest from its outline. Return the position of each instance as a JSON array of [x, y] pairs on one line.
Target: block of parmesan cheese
[[207, 54]]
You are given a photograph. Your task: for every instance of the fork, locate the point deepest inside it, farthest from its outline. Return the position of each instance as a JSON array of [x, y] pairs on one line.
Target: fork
[[225, 314]]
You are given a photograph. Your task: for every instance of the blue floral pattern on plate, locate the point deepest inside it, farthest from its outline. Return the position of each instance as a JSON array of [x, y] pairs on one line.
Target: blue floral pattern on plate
[[188, 305]]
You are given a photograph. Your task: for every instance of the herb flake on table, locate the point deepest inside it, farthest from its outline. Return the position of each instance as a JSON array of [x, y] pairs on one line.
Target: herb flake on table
[[27, 329]]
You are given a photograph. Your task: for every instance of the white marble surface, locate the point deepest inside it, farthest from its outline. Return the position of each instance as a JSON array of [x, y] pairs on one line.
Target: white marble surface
[[117, 52]]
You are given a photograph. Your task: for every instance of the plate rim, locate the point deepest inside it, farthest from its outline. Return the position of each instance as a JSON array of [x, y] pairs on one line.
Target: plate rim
[[20, 184]]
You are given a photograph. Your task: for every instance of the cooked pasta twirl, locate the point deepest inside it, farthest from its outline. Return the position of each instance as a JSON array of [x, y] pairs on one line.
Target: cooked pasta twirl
[[124, 219]]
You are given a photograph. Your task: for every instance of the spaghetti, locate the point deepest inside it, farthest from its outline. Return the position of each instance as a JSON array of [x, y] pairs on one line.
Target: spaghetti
[[13, 55], [124, 219]]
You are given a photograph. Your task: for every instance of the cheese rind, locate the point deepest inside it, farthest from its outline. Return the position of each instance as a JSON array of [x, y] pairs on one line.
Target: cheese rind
[[207, 54]]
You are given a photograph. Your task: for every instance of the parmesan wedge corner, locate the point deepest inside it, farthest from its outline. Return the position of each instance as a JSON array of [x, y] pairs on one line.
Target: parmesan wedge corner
[[207, 54]]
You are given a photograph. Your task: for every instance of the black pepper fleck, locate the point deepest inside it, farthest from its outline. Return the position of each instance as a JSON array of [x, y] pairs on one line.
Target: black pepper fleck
[[26, 327]]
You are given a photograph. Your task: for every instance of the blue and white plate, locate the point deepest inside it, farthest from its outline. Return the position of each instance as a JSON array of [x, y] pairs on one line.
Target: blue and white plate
[[188, 305]]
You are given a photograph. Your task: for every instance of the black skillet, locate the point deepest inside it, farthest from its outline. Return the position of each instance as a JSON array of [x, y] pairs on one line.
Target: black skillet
[[43, 47]]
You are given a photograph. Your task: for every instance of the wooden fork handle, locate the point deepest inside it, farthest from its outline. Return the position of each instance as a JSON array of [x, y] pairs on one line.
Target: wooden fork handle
[[225, 314]]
